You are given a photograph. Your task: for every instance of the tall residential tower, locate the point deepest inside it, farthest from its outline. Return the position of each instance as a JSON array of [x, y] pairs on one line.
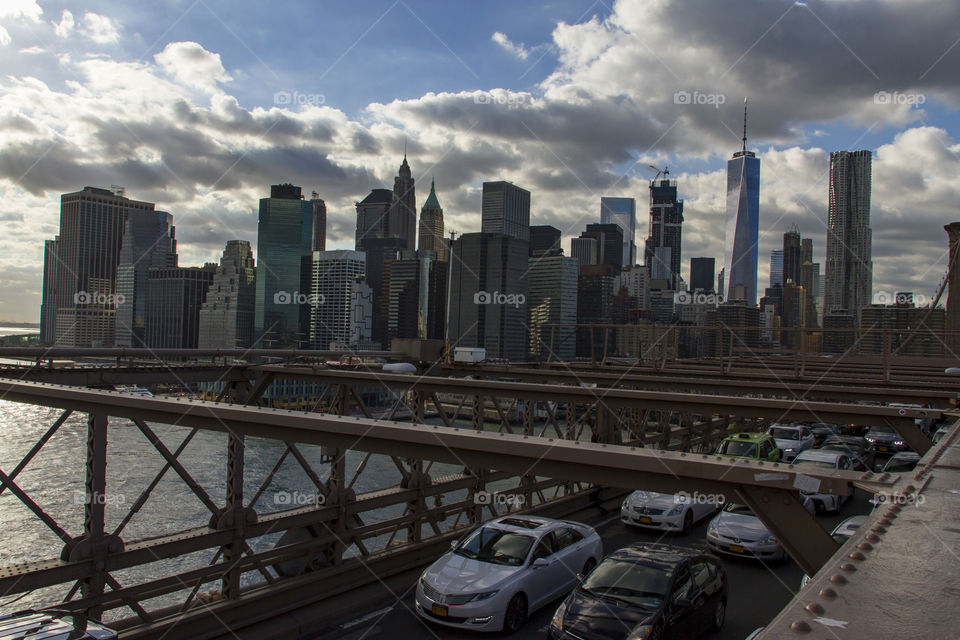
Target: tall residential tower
[[849, 270], [741, 252]]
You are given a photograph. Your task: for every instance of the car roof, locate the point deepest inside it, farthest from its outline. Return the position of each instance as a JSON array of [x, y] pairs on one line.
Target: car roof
[[520, 523], [665, 556], [819, 455], [847, 440], [745, 435], [795, 427]]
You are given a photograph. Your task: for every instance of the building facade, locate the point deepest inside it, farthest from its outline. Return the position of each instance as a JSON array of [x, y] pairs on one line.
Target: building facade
[[702, 274], [402, 215], [226, 317], [741, 253], [544, 241], [623, 213], [336, 275], [776, 267], [849, 267], [663, 249], [373, 217], [505, 209], [173, 301], [431, 226], [552, 300]]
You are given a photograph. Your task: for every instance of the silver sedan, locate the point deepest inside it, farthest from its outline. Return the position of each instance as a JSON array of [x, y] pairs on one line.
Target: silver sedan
[[498, 574], [737, 531]]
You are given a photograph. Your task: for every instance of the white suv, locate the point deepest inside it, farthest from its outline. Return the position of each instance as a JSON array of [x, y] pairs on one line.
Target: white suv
[[791, 439]]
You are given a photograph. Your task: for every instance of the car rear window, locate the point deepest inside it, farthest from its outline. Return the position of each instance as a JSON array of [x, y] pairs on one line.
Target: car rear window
[[737, 448]]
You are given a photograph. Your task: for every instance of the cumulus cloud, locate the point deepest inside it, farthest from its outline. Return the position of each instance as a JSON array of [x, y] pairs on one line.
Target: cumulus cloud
[[65, 26], [4, 37], [515, 49], [27, 9], [100, 29], [193, 66]]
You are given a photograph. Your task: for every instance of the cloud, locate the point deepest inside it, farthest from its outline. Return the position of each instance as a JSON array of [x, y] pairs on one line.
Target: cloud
[[65, 26], [193, 66], [100, 29], [514, 49], [27, 9], [4, 37]]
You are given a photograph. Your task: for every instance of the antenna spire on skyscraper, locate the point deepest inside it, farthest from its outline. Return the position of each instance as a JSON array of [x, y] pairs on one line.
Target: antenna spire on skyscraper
[[744, 149]]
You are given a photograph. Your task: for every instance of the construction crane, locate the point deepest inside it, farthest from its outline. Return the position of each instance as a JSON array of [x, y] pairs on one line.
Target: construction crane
[[660, 172]]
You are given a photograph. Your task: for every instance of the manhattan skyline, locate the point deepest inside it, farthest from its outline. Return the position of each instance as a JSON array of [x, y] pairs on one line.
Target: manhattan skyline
[[197, 110]]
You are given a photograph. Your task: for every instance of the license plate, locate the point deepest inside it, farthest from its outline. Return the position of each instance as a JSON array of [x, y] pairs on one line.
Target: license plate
[[439, 610], [881, 449], [736, 548], [645, 519]]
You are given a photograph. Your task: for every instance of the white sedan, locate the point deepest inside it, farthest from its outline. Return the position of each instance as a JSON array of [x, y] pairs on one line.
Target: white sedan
[[820, 459], [792, 439], [511, 566], [667, 512]]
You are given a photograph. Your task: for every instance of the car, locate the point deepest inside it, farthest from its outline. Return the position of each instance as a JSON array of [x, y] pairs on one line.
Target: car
[[886, 439], [645, 591], [666, 512], [825, 459], [925, 424], [902, 461], [737, 531], [791, 439], [821, 432], [496, 575], [840, 533], [755, 446], [860, 451]]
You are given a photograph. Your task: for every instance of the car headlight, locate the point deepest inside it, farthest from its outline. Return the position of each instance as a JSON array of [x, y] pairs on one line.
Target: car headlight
[[484, 596], [561, 611], [789, 450], [768, 539], [677, 510], [713, 528], [870, 439], [898, 443], [641, 633]]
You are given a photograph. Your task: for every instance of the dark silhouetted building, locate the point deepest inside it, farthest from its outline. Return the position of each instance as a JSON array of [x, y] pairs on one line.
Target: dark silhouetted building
[[431, 226], [622, 212], [702, 274], [892, 325], [544, 241], [595, 306], [849, 269], [372, 217], [506, 210], [735, 324], [402, 215], [172, 307], [609, 239], [319, 222], [839, 331], [552, 300], [663, 248]]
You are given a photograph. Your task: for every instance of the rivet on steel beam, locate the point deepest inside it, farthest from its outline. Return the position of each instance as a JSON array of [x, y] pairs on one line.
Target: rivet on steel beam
[[846, 566], [886, 521], [815, 608], [872, 537], [878, 529], [865, 546], [909, 488], [894, 510], [857, 555], [800, 626], [838, 578]]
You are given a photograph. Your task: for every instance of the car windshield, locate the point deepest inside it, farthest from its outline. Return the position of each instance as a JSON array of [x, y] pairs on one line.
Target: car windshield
[[785, 434], [823, 464], [738, 448], [733, 507], [629, 581], [496, 546], [900, 465]]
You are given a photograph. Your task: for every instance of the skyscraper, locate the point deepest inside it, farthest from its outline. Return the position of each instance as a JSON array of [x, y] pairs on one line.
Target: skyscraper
[[609, 239], [431, 226], [488, 294], [544, 241], [506, 210], [663, 249], [622, 212], [585, 249], [336, 275], [741, 254], [402, 217], [148, 241], [701, 274], [319, 222], [226, 317], [552, 300], [48, 319], [85, 300], [776, 267], [595, 294], [284, 252], [373, 217], [791, 255], [172, 305], [849, 270]]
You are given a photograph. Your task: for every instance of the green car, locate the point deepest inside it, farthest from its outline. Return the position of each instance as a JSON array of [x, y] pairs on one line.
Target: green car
[[754, 446]]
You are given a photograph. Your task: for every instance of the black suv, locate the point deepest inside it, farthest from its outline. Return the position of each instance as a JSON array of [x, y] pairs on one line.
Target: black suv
[[645, 591]]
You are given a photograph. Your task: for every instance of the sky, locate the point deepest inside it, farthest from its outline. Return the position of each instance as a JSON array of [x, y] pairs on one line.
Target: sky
[[201, 105]]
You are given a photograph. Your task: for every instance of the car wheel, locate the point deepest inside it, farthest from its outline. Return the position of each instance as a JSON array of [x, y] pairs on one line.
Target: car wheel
[[588, 566], [687, 522], [516, 613], [719, 615]]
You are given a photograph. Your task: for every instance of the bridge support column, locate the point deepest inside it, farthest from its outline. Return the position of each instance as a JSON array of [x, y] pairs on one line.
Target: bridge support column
[[95, 488]]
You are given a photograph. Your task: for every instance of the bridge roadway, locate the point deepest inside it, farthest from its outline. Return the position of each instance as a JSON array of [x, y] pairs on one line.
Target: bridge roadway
[[757, 592]]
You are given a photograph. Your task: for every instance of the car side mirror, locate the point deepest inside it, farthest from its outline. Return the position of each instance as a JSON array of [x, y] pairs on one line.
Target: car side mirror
[[453, 544], [540, 562]]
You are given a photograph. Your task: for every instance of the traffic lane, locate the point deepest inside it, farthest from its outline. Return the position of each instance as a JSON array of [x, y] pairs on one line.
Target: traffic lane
[[757, 592]]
